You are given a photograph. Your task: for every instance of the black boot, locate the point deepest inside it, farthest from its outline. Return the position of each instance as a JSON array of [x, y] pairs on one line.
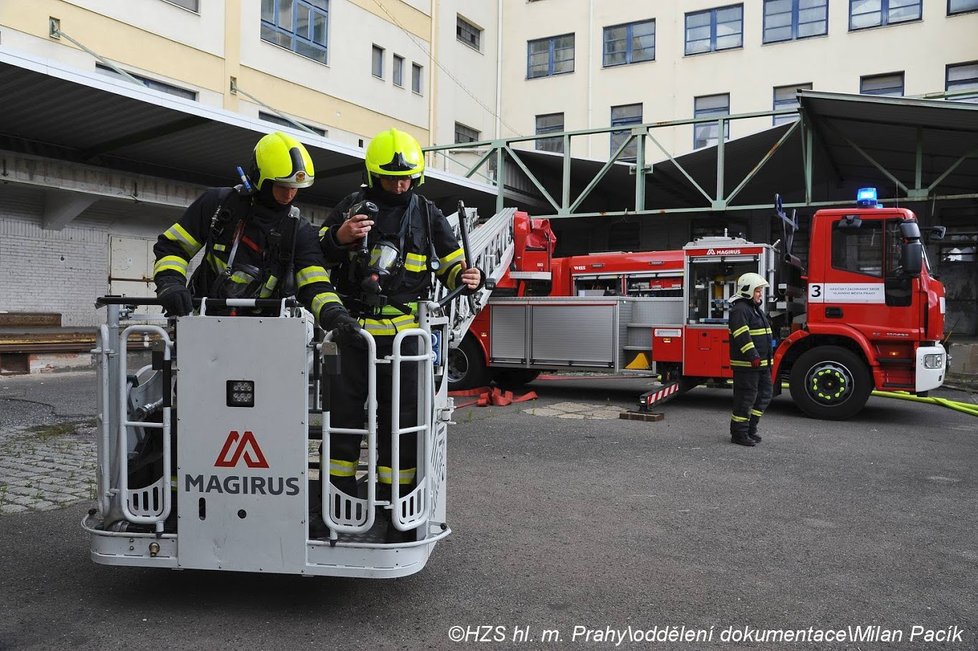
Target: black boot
[[754, 436], [742, 439]]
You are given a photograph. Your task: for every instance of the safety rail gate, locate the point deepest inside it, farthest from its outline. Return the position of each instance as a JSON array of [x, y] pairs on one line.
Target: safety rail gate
[[204, 456]]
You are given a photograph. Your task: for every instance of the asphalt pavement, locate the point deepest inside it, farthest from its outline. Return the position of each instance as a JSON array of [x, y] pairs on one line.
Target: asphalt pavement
[[571, 529]]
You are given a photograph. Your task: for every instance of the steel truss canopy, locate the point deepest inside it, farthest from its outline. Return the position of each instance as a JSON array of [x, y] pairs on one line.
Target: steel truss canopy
[[113, 140], [82, 138], [911, 150]]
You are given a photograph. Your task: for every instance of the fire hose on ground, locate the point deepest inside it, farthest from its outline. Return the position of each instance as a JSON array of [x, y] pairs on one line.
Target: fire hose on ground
[[964, 407]]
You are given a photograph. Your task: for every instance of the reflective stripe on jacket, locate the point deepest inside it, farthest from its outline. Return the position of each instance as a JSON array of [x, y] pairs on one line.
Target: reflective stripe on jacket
[[750, 334]]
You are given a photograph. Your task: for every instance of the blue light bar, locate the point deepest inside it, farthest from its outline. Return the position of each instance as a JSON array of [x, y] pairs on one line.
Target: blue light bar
[[866, 197]]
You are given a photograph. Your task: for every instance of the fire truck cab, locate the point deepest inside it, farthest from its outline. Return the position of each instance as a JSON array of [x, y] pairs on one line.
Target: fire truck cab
[[866, 313]]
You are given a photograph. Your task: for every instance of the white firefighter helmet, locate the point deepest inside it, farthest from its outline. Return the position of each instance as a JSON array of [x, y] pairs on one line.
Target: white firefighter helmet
[[749, 282]]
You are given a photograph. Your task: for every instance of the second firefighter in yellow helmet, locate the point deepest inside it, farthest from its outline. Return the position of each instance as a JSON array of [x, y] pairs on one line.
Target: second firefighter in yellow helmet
[[386, 216]]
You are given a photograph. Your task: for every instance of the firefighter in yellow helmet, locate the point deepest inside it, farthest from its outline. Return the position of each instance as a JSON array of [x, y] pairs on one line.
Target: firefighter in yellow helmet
[[387, 241], [750, 359], [254, 242]]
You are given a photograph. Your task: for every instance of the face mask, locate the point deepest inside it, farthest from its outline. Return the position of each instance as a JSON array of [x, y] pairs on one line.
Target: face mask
[[381, 267]]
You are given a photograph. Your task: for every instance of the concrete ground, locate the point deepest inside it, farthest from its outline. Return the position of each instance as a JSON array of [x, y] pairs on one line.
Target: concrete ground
[[571, 529]]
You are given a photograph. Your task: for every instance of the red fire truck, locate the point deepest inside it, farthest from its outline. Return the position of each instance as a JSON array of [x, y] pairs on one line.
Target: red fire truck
[[866, 313]]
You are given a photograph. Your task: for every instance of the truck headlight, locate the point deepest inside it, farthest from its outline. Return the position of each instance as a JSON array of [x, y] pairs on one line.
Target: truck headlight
[[934, 360]]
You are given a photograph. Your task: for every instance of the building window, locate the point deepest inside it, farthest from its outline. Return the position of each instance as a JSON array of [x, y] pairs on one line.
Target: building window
[[299, 25], [465, 134], [629, 43], [169, 89], [785, 97], [628, 114], [550, 123], [961, 6], [890, 84], [468, 33], [705, 133], [550, 56], [962, 78], [192, 5], [377, 62], [397, 73], [715, 29], [274, 119], [416, 78], [786, 20], [874, 13]]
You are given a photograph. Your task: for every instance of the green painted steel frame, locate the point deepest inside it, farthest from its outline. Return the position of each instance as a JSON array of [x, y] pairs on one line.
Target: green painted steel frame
[[810, 134]]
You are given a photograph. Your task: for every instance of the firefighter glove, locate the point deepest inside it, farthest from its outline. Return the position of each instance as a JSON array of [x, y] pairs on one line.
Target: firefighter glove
[[756, 362], [346, 330], [175, 299]]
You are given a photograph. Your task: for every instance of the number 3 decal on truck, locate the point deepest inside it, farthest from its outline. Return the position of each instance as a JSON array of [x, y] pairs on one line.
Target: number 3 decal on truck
[[815, 294]]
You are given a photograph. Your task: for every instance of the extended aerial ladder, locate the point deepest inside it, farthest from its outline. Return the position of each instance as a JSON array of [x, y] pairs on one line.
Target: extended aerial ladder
[[491, 249]]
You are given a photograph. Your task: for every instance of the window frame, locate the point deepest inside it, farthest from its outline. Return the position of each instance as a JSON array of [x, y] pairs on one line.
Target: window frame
[[377, 55], [966, 10], [628, 155], [196, 4], [973, 81], [699, 126], [463, 25], [783, 104], [153, 84], [417, 73], [551, 42], [397, 70], [474, 136], [301, 45], [712, 12], [629, 41], [884, 12], [903, 84], [554, 143], [795, 22]]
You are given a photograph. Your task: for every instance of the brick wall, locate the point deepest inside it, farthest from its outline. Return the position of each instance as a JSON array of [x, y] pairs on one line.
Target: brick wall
[[56, 270]]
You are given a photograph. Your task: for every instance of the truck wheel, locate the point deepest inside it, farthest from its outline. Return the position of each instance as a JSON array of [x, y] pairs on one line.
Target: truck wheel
[[516, 377], [467, 366], [830, 383]]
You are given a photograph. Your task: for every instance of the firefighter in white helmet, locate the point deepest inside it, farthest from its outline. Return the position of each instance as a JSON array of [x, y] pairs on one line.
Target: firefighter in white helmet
[[750, 359]]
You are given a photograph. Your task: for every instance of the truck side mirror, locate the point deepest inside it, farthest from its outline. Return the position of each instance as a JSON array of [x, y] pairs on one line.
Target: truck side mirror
[[912, 258]]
